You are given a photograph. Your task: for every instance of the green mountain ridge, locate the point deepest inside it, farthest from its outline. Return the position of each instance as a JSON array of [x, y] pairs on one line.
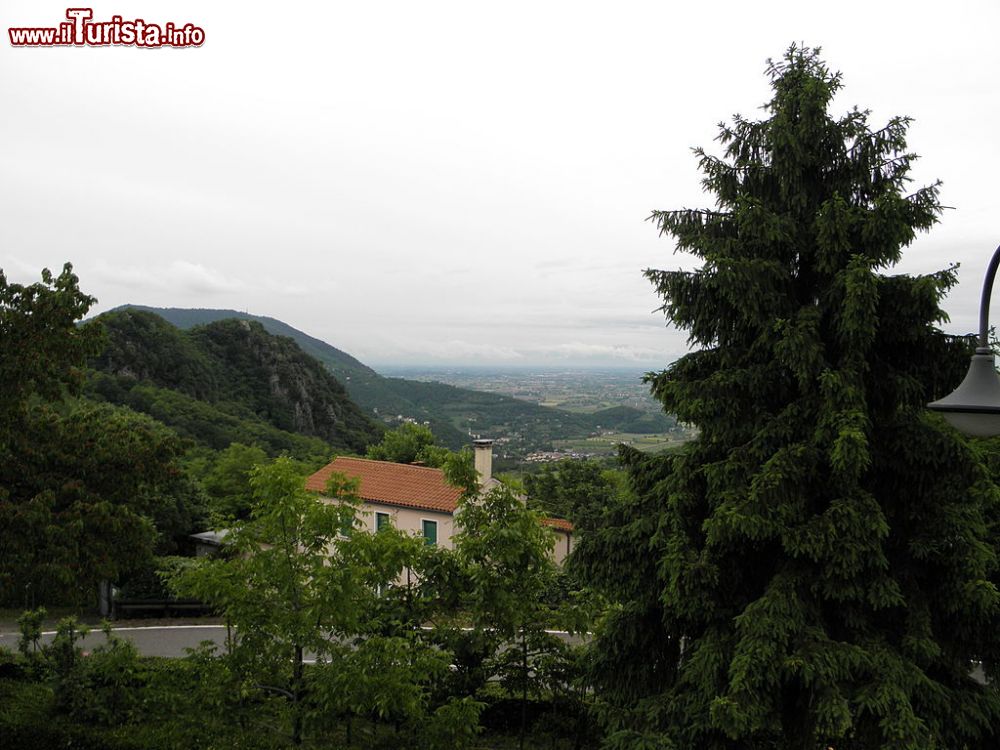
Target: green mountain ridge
[[451, 412], [185, 318], [227, 381]]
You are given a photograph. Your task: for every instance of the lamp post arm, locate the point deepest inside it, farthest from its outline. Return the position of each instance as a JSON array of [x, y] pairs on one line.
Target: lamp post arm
[[974, 407], [984, 304]]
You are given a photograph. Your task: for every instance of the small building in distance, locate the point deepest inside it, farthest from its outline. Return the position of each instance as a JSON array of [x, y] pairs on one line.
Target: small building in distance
[[208, 543], [418, 499]]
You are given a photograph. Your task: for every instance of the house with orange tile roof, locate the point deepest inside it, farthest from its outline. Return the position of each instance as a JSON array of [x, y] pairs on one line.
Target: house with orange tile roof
[[418, 499]]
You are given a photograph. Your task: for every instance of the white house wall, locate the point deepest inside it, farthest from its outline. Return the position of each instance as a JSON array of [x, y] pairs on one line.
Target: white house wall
[[410, 521]]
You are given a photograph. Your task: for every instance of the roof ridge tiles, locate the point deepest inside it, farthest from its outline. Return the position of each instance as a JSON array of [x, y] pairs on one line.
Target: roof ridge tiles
[[388, 463], [393, 483]]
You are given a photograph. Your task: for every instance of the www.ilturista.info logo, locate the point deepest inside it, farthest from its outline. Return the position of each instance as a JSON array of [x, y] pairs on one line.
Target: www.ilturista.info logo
[[81, 31]]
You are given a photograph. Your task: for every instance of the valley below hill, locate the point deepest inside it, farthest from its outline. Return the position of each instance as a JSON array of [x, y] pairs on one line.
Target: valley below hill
[[617, 401]]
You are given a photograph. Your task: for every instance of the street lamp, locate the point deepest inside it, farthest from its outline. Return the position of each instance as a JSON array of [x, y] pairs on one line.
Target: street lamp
[[974, 407]]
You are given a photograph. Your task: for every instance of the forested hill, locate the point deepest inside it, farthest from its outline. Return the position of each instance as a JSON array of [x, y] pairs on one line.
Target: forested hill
[[184, 318], [450, 411], [228, 381], [375, 394]]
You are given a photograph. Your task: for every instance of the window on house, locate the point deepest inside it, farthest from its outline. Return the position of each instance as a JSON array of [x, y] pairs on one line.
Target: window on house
[[381, 521], [430, 529]]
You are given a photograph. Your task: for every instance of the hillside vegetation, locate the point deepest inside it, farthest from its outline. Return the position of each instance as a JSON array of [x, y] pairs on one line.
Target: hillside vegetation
[[228, 381]]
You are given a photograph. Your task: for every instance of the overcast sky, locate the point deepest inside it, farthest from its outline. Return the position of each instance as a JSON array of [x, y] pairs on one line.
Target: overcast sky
[[427, 182]]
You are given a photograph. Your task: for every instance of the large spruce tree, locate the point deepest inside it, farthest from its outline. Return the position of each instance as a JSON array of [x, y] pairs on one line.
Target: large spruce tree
[[818, 567]]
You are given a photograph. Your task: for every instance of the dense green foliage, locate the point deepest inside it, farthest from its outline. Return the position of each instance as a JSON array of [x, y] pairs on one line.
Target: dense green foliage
[[409, 443], [572, 488], [41, 345], [225, 476], [205, 425], [226, 382], [103, 489], [819, 566], [506, 552], [108, 698], [87, 492]]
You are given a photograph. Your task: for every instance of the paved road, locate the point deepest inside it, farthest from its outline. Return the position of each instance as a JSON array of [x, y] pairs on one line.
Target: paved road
[[163, 640], [151, 640]]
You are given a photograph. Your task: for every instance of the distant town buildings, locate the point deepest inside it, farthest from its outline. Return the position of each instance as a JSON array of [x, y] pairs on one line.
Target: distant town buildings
[[546, 457]]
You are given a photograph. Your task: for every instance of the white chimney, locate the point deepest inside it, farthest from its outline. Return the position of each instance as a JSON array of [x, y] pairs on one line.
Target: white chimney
[[484, 460]]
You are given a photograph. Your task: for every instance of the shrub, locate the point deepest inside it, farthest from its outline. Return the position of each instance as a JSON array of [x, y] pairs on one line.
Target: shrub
[[104, 687]]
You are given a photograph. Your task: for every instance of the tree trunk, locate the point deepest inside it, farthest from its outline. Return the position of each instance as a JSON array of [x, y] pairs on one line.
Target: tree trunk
[[297, 697], [409, 599], [578, 723], [524, 689]]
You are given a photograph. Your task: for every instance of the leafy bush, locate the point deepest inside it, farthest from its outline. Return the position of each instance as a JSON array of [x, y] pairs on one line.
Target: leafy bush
[[105, 686], [27, 721], [452, 726]]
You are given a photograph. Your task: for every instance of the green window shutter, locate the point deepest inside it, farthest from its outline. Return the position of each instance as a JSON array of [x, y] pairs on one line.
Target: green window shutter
[[430, 532], [381, 521]]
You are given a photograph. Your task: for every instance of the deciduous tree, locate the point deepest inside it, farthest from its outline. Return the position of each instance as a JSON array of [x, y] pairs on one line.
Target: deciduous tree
[[92, 492], [285, 586], [571, 486], [225, 476], [506, 554], [299, 579], [43, 348], [407, 444], [81, 485]]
